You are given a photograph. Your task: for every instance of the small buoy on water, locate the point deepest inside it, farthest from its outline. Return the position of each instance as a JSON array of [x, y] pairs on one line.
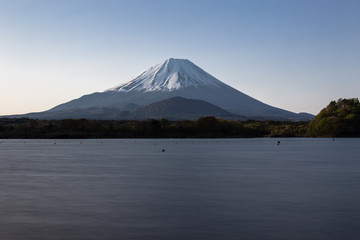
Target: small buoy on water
[[163, 150]]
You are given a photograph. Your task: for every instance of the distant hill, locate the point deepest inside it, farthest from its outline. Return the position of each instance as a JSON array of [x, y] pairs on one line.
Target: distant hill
[[339, 119], [178, 108]]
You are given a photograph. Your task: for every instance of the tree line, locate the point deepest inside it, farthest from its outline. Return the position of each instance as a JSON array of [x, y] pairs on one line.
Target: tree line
[[339, 119], [205, 127]]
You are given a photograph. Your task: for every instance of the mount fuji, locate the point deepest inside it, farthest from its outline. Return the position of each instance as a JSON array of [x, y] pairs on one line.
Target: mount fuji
[[169, 79]]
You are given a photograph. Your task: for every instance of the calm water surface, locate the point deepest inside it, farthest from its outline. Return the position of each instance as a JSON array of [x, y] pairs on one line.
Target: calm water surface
[[196, 189]]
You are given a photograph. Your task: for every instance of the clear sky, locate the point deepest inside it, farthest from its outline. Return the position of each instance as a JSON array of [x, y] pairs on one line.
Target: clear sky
[[294, 54]]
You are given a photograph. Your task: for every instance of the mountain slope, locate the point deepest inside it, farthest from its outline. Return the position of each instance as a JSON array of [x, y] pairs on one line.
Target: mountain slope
[[176, 108], [94, 113]]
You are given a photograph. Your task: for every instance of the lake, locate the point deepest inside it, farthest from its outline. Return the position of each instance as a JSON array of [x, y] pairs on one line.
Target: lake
[[195, 189]]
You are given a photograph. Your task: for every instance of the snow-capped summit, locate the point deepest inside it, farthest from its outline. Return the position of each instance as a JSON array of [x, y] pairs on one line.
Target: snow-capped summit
[[172, 74]]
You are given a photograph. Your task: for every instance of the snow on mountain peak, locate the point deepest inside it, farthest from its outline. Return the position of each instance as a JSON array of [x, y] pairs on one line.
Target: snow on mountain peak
[[172, 74]]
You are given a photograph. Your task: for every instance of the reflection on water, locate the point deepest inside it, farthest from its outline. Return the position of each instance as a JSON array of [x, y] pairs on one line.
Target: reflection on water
[[196, 189]]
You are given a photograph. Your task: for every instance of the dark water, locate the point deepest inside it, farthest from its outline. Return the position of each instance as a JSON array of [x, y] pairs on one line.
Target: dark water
[[196, 189]]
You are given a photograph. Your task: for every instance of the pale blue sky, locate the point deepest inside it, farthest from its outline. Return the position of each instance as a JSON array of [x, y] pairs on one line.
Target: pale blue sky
[[296, 55]]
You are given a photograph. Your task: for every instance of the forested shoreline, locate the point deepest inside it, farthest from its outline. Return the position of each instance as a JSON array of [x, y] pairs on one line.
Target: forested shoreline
[[206, 127], [339, 119]]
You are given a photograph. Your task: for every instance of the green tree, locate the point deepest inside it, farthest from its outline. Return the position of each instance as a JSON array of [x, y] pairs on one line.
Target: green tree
[[339, 119]]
